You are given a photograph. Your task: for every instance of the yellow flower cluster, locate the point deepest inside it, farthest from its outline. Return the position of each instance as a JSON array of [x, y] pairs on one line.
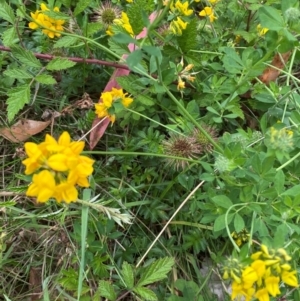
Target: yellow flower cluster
[[261, 278], [208, 12], [179, 10], [185, 74], [241, 237], [123, 22], [49, 25], [104, 109], [57, 167]]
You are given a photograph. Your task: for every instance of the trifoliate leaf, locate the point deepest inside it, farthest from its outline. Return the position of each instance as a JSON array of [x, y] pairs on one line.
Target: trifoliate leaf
[[60, 64], [128, 276], [65, 41], [107, 290], [145, 293], [45, 79], [81, 6], [156, 271], [17, 73], [7, 13], [8, 36], [26, 57], [17, 98]]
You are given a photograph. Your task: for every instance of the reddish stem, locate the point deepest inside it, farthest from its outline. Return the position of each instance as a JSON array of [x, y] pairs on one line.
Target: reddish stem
[[73, 59]]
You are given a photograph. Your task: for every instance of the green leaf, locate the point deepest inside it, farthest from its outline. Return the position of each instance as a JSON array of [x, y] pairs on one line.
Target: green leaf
[[107, 291], [60, 64], [271, 18], [26, 57], [157, 271], [232, 62], [8, 36], [238, 223], [222, 201], [45, 79], [128, 276], [145, 293], [145, 100], [17, 73], [17, 98], [93, 28], [7, 13], [188, 39], [220, 223], [118, 48], [136, 13], [65, 41], [292, 191], [81, 6]]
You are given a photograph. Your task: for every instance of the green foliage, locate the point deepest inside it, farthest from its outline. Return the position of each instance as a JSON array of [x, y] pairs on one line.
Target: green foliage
[[60, 64], [17, 98], [205, 159]]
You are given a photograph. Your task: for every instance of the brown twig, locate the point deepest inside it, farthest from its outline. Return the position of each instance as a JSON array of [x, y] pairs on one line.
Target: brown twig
[[73, 59]]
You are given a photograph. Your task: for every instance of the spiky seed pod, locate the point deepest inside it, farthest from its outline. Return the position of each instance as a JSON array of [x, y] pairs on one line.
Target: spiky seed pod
[[202, 139], [107, 13], [180, 146]]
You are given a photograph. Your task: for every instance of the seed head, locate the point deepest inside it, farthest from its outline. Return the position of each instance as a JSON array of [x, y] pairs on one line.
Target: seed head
[[200, 138], [107, 13], [180, 146]]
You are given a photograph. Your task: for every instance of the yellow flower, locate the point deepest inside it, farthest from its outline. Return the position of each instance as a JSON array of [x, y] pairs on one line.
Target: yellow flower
[[208, 12], [213, 1], [60, 167], [102, 109], [239, 292], [43, 186], [183, 8], [124, 22], [272, 285], [180, 85], [249, 276], [262, 295], [49, 25], [261, 30], [177, 26], [289, 278], [65, 192]]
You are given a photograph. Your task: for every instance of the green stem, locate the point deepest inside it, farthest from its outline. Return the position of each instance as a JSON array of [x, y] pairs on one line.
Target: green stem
[[288, 162], [138, 154]]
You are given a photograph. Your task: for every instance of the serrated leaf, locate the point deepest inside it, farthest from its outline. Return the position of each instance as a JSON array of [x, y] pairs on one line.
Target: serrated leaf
[[157, 271], [65, 41], [17, 98], [145, 100], [118, 48], [93, 28], [107, 291], [7, 13], [81, 6], [188, 39], [17, 73], [136, 14], [45, 79], [60, 64], [145, 293], [8, 36], [128, 275], [26, 57]]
